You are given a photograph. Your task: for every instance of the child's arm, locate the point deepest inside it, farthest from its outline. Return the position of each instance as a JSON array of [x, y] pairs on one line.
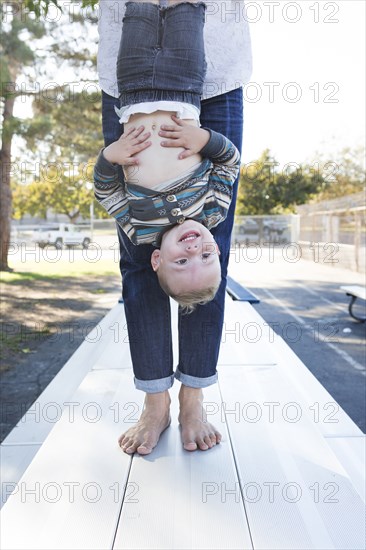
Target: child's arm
[[226, 161]]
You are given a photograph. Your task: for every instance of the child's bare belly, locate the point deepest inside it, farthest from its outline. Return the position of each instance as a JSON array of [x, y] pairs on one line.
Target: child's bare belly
[[157, 163]]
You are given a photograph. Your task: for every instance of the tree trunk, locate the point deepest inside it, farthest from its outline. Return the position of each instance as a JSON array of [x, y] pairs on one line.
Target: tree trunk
[[5, 189], [73, 217]]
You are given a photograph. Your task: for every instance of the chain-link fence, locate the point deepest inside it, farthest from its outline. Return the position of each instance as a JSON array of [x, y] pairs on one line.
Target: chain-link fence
[[337, 237], [334, 231]]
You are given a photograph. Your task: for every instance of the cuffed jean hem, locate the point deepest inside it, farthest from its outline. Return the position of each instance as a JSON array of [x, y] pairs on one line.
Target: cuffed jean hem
[[162, 53], [194, 381], [154, 386], [142, 96]]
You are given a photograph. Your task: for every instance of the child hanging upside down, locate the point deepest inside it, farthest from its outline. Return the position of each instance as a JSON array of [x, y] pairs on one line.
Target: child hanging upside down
[[178, 177]]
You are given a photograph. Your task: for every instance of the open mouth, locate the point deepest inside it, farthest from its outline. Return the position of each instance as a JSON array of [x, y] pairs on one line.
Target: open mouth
[[189, 236]]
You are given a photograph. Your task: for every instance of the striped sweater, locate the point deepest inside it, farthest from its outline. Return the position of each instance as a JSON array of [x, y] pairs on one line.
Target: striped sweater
[[144, 214]]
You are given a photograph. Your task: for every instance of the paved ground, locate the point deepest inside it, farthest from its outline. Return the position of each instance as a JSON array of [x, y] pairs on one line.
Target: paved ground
[[303, 302], [27, 374]]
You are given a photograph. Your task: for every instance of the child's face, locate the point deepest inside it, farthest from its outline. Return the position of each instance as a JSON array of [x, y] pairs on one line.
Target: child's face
[[188, 258]]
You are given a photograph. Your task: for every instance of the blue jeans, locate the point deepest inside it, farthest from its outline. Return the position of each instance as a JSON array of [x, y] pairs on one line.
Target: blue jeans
[[162, 53], [146, 304]]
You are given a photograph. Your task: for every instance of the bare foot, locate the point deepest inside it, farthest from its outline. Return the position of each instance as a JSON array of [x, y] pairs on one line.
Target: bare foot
[[197, 433], [155, 418]]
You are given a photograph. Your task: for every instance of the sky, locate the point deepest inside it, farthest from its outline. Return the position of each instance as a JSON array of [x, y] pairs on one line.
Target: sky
[[307, 90], [322, 52]]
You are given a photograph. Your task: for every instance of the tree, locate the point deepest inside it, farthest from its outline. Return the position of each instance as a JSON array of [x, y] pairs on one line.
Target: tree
[[63, 191], [20, 28], [263, 189], [64, 188], [343, 173], [16, 55], [40, 7], [63, 180]]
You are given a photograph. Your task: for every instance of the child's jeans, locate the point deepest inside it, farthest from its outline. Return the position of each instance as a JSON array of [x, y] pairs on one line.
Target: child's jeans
[[161, 55], [146, 304]]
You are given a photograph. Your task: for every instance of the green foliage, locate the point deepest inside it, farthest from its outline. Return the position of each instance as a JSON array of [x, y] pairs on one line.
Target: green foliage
[[35, 129], [67, 152], [4, 71], [63, 130], [263, 189], [344, 173], [16, 55], [66, 191], [61, 187], [14, 38], [75, 124], [40, 7]]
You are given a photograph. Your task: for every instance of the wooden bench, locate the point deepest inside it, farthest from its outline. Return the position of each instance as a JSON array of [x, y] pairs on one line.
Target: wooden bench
[[238, 292], [355, 291], [289, 473]]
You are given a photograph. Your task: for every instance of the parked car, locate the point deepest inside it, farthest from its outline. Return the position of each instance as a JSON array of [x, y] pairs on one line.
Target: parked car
[[247, 232], [59, 235], [260, 230], [274, 230]]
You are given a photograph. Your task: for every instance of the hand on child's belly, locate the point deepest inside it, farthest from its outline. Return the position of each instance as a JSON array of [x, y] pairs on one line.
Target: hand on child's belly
[[156, 163]]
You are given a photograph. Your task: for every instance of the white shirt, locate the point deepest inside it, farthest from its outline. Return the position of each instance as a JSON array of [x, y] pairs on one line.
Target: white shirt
[[227, 46], [182, 110]]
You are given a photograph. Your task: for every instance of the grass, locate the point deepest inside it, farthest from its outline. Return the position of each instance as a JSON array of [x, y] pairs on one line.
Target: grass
[[15, 341], [45, 271], [39, 292]]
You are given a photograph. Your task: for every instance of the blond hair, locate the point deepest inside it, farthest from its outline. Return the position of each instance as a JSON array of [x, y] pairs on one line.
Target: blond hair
[[189, 300]]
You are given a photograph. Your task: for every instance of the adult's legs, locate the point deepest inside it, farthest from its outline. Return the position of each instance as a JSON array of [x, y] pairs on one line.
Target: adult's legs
[[154, 42], [112, 129], [200, 332], [148, 320], [161, 54], [147, 306]]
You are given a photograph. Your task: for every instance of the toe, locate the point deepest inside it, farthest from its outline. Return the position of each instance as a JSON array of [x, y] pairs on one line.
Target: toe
[[124, 442], [190, 445], [218, 437], [208, 441], [147, 444], [144, 449], [201, 444], [129, 451], [213, 439], [130, 448]]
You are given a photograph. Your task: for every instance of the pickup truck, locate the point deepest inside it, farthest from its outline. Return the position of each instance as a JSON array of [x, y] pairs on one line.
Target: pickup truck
[[59, 235]]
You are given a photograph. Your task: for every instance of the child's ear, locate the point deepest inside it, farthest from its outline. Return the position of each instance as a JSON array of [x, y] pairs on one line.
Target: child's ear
[[155, 259]]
